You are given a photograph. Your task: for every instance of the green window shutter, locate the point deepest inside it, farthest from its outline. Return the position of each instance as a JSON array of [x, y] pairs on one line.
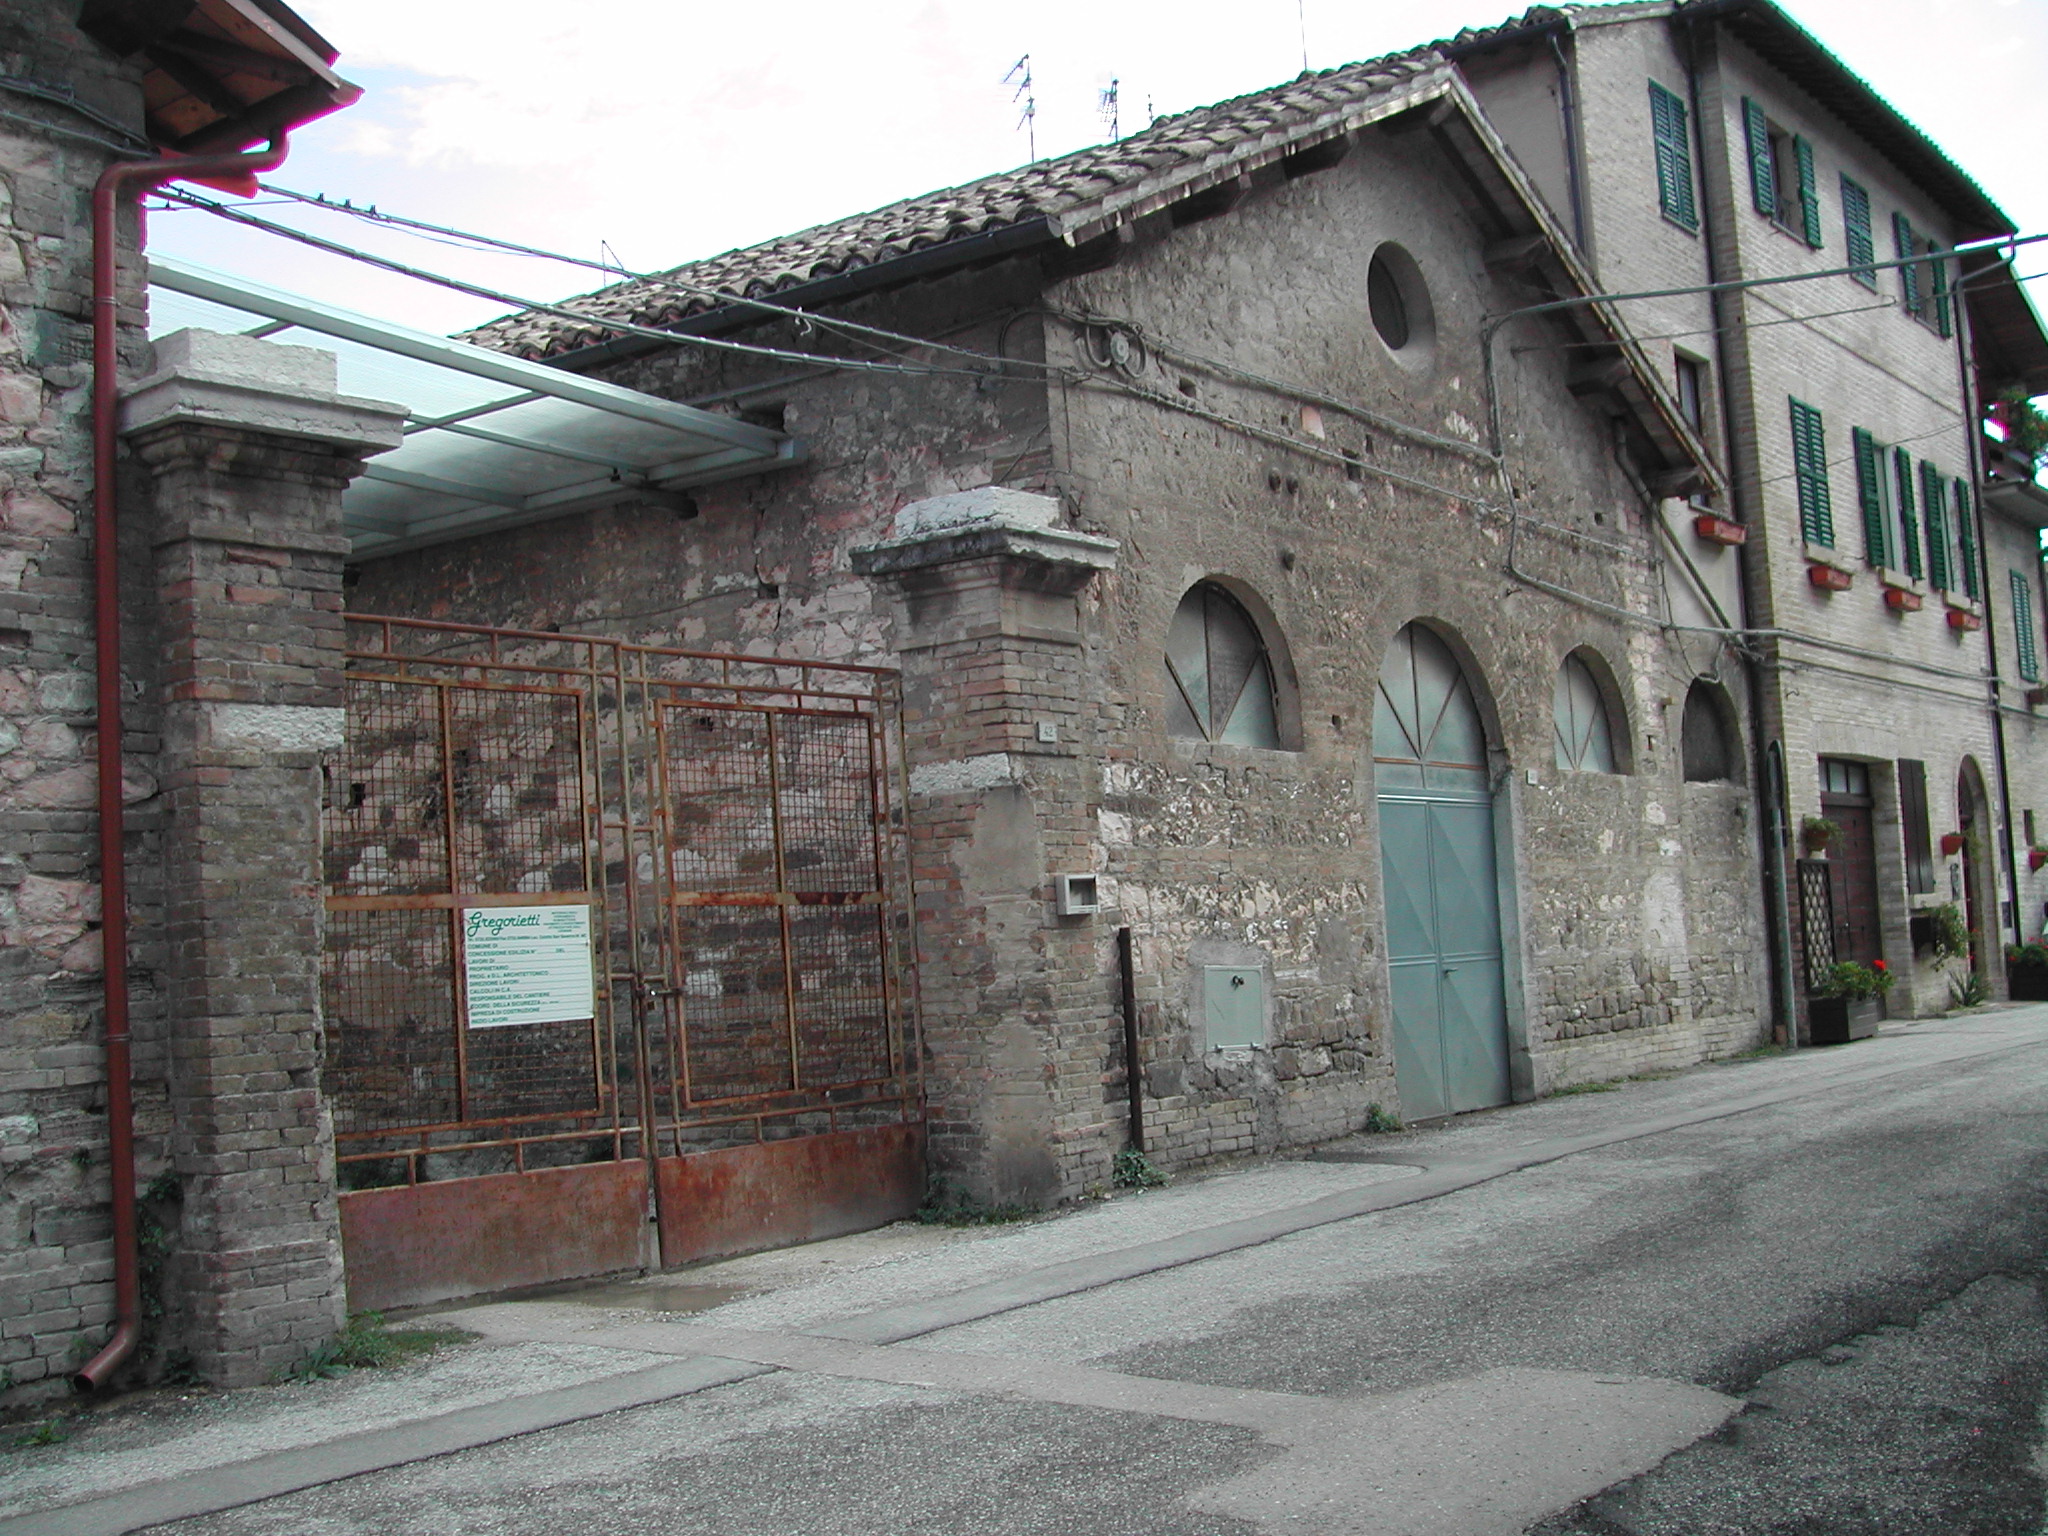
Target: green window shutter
[[1763, 181], [1674, 157], [1909, 276], [1966, 537], [1909, 523], [2023, 626], [1937, 269], [1933, 505], [1809, 193], [1870, 496], [1856, 232], [1810, 471]]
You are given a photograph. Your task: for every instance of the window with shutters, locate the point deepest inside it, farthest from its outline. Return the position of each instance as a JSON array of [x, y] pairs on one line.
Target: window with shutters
[[1782, 181], [1875, 500], [1923, 284], [1966, 537], [2023, 627], [1810, 472], [1941, 561], [1219, 676], [1671, 132], [1856, 237], [1909, 516], [1582, 727]]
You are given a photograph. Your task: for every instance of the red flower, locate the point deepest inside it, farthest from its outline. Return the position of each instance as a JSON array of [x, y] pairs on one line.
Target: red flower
[[1879, 965]]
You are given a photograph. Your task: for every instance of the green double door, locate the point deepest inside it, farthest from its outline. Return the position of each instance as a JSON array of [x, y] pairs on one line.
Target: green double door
[[1442, 894]]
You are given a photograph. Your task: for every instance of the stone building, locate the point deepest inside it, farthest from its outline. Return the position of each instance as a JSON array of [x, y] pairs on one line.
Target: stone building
[[1892, 586], [1237, 607], [229, 572]]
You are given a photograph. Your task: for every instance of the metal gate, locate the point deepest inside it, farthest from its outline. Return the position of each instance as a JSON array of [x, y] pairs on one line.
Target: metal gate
[[721, 837]]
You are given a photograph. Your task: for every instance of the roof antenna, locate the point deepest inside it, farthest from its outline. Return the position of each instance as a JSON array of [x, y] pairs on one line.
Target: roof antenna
[[1021, 73], [606, 254], [1106, 106], [1301, 20]]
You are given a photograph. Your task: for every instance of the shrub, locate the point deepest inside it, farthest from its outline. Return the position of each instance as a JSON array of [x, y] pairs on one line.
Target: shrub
[[1846, 978]]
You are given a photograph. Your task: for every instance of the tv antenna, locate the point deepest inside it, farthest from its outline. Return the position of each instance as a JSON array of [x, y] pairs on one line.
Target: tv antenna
[[1106, 107], [1021, 73], [1301, 20]]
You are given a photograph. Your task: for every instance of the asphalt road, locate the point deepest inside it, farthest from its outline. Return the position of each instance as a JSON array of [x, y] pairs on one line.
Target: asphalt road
[[1797, 1295]]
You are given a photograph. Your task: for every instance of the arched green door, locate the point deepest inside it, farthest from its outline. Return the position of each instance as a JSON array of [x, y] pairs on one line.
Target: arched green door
[[1443, 904]]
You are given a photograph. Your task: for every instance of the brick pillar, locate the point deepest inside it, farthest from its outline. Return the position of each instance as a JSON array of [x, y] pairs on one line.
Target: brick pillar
[[1004, 784], [249, 450]]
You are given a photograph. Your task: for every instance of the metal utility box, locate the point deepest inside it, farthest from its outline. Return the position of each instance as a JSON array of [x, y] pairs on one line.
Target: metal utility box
[[1234, 1004], [1076, 895]]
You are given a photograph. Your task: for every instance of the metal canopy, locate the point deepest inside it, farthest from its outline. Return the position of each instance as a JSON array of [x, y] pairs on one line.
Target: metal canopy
[[491, 441]]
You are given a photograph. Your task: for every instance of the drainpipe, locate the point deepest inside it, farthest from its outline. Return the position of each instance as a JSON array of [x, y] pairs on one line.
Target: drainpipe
[[129, 179]]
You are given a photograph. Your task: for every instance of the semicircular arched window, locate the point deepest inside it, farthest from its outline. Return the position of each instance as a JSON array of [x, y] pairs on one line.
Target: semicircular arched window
[[1221, 678], [1580, 728]]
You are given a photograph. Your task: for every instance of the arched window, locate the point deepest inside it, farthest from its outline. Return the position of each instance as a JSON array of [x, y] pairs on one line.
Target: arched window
[[1707, 740], [1580, 729], [1221, 678]]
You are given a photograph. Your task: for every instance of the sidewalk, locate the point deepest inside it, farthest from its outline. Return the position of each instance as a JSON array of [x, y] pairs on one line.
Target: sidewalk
[[838, 1307]]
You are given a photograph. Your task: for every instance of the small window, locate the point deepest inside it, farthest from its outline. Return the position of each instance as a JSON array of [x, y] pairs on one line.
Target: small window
[[1923, 285], [1781, 175], [1839, 776], [1580, 728], [1707, 737], [1220, 675], [1810, 472], [1690, 375], [2023, 627], [1673, 138], [1398, 301], [1856, 235]]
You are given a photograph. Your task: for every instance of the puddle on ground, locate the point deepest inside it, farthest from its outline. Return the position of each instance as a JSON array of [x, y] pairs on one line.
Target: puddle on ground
[[654, 1295]]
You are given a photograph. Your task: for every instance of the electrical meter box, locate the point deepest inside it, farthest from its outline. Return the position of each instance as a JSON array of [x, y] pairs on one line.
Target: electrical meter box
[[1234, 1001]]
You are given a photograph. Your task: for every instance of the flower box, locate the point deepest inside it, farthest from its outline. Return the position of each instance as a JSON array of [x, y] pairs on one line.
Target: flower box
[[1963, 620], [2027, 983], [1718, 530], [1899, 600], [2036, 857], [1952, 842], [1829, 579], [1839, 1020], [2037, 697]]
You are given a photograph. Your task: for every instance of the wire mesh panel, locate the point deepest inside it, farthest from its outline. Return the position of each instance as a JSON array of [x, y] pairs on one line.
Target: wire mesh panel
[[1816, 918], [731, 827]]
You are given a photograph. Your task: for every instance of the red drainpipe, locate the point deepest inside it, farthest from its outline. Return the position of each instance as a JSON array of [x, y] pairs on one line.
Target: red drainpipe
[[238, 173]]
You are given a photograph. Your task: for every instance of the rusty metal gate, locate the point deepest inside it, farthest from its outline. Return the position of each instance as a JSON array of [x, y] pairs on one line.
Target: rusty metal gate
[[722, 837]]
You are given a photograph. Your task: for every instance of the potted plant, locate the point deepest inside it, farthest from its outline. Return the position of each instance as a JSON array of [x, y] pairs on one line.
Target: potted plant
[[1815, 834], [2026, 971], [1847, 1002], [1952, 842], [2036, 857]]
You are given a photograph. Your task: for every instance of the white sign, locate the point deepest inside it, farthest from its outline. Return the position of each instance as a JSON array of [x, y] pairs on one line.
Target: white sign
[[527, 965]]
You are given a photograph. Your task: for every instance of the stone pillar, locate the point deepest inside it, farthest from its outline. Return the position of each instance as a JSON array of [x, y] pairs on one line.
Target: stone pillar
[[249, 449], [1004, 785]]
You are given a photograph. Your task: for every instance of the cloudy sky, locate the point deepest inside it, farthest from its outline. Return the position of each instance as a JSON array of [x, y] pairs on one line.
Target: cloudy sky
[[652, 132]]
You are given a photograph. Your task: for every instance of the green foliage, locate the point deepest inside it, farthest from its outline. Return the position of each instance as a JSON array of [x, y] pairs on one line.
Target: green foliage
[[1968, 990], [1378, 1122], [2026, 427], [945, 1206], [1132, 1169], [364, 1343], [1559, 1093], [1816, 832], [50, 1432], [1846, 978], [1951, 933], [2032, 955]]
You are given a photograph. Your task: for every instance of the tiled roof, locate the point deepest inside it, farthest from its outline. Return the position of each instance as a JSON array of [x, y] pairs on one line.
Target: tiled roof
[[1074, 195]]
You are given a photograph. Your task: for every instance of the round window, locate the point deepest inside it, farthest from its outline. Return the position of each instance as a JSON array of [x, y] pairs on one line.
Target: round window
[[1389, 309], [1398, 301]]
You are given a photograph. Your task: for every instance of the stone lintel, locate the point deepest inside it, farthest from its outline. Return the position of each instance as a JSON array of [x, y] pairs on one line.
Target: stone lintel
[[204, 379], [991, 522]]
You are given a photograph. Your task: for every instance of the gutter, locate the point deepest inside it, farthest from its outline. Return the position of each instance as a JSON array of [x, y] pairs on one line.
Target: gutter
[[116, 184]]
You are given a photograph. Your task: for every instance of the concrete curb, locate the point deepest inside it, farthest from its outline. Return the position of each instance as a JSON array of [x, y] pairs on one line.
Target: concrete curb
[[265, 1477]]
